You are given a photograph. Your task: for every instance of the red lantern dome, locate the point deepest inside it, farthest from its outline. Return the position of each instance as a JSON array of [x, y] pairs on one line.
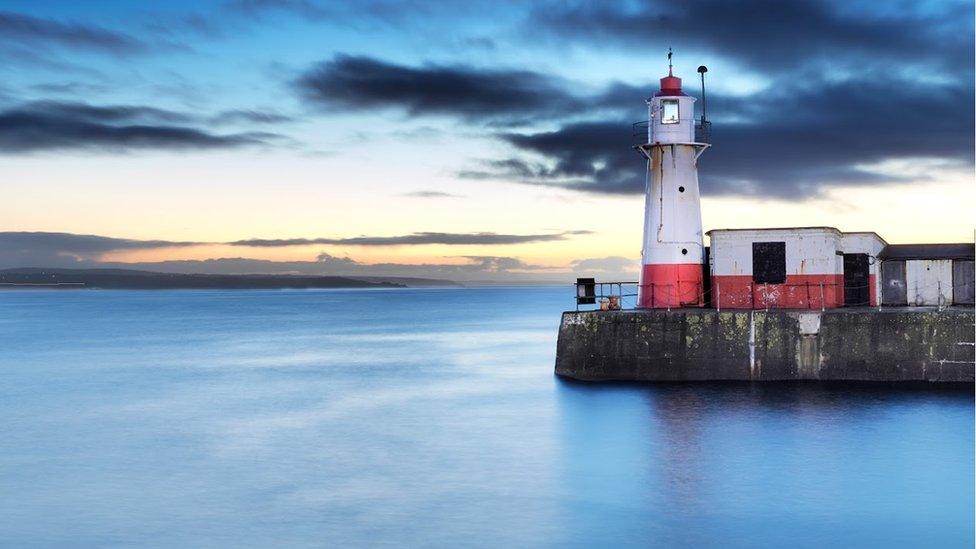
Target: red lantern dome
[[670, 85]]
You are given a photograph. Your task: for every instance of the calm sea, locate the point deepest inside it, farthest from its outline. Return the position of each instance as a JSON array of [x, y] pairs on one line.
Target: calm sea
[[432, 418]]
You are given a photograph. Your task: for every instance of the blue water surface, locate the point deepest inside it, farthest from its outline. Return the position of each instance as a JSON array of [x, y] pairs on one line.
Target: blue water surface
[[431, 417]]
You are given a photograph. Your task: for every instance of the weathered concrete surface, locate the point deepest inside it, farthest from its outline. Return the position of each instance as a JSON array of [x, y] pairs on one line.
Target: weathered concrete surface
[[905, 344]]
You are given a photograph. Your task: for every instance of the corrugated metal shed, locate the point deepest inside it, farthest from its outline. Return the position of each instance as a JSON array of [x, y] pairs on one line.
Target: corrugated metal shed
[[928, 251]]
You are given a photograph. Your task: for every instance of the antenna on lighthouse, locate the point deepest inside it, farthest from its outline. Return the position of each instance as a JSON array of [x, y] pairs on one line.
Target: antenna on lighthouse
[[669, 63], [702, 69]]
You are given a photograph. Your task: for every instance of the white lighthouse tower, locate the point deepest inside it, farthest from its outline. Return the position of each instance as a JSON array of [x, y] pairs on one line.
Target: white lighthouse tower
[[671, 260]]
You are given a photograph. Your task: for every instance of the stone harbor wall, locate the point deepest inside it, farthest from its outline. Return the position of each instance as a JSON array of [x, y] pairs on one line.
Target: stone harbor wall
[[904, 344]]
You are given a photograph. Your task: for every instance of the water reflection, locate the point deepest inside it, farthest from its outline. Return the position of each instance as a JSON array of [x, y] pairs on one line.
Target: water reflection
[[754, 463], [679, 413]]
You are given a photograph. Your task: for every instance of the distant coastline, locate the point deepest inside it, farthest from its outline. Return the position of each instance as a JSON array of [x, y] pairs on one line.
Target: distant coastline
[[125, 279]]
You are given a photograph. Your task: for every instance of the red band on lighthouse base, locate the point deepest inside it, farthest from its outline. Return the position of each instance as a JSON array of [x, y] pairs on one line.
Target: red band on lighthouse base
[[674, 285]]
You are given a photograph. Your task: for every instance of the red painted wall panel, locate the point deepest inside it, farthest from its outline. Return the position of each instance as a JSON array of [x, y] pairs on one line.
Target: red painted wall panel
[[798, 292], [873, 289]]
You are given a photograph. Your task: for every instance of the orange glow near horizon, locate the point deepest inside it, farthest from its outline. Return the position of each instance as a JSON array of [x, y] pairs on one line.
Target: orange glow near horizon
[[171, 203]]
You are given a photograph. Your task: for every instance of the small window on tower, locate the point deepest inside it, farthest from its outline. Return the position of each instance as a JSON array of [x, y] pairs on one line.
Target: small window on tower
[[669, 111]]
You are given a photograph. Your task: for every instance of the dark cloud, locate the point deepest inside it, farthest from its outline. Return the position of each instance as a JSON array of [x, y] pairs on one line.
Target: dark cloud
[[43, 249], [348, 82], [586, 156], [481, 42], [806, 138], [415, 239], [173, 24], [364, 15], [431, 194], [250, 116], [46, 126], [17, 57], [303, 8], [111, 114], [19, 28], [793, 140], [78, 243], [808, 131], [771, 35], [70, 88], [850, 85]]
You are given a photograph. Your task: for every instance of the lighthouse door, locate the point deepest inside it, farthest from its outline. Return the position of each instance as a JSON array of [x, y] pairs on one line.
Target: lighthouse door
[[856, 290]]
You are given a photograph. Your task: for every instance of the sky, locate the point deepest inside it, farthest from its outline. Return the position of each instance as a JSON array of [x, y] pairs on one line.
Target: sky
[[476, 141]]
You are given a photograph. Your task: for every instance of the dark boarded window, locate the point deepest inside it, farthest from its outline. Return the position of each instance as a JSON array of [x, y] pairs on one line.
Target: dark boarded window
[[963, 291], [894, 290], [769, 262]]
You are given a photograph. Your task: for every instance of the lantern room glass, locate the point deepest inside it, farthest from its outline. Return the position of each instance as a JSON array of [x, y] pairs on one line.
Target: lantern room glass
[[669, 111]]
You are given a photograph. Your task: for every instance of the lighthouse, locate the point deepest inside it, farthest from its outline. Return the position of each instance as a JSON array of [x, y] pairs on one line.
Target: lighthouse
[[785, 290], [672, 256]]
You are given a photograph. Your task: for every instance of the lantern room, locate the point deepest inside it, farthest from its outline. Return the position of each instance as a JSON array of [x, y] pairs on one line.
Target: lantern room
[[671, 113]]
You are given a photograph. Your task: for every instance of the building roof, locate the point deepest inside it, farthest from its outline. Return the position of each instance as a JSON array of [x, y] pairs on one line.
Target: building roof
[[929, 251], [775, 229], [781, 229], [871, 233]]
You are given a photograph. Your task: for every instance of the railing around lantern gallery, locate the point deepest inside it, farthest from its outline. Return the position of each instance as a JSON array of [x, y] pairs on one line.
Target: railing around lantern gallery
[[756, 296], [641, 135]]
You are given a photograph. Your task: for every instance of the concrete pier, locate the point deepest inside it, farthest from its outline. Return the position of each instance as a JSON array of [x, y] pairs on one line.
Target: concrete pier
[[897, 344]]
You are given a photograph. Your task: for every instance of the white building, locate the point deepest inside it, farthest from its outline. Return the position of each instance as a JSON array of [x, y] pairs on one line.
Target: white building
[[927, 274], [796, 268]]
